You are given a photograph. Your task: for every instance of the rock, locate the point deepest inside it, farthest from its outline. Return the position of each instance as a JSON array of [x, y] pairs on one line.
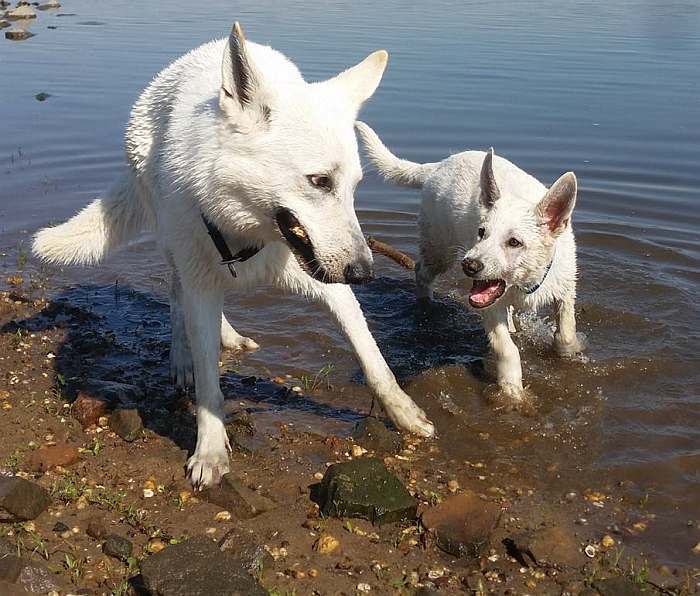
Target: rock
[[42, 96], [118, 547], [4, 23], [554, 545], [21, 500], [21, 12], [49, 457], [32, 576], [127, 424], [326, 544], [619, 586], [365, 488], [237, 498], [88, 409], [462, 524], [18, 34], [373, 435], [96, 529], [197, 567], [242, 544], [49, 5], [60, 527]]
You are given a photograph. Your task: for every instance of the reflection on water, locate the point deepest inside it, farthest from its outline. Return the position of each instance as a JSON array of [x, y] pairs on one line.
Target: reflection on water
[[608, 89]]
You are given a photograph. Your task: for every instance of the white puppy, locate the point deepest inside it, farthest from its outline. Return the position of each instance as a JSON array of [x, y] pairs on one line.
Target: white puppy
[[233, 157], [512, 236]]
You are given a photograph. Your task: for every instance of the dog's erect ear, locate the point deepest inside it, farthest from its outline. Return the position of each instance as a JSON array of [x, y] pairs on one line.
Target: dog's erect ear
[[360, 82], [556, 206], [489, 189], [240, 80]]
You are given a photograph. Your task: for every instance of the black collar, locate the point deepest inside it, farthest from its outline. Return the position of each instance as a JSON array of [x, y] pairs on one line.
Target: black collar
[[227, 258]]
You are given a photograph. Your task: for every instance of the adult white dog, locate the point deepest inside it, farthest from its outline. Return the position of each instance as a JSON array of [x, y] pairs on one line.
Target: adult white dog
[[511, 234], [232, 156]]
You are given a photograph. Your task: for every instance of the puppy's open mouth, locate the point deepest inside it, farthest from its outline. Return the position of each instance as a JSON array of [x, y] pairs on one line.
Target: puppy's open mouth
[[298, 239], [485, 292]]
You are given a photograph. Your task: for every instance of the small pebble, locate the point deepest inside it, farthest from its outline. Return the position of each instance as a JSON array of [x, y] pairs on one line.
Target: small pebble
[[155, 545], [223, 516], [364, 588], [313, 572], [696, 549], [318, 476], [210, 531], [148, 493], [453, 486], [358, 451], [326, 544], [607, 541]]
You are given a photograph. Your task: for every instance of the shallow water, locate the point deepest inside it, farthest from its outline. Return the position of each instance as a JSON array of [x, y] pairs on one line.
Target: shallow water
[[609, 90]]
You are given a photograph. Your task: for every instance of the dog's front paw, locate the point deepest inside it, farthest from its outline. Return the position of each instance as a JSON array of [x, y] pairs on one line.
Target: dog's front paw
[[509, 397], [409, 417], [206, 469]]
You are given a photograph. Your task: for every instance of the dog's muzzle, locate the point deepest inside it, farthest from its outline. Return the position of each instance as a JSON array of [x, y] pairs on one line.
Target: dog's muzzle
[[359, 272], [472, 267]]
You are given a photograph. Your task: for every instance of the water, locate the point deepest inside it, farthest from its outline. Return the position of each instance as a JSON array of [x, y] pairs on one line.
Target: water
[[607, 89]]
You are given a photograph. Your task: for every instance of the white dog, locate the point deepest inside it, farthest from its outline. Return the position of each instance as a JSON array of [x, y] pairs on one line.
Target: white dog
[[512, 235], [232, 156]]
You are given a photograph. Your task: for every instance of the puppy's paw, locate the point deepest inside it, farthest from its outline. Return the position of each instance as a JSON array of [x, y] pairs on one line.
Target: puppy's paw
[[181, 367], [511, 398], [206, 469], [409, 417], [568, 349]]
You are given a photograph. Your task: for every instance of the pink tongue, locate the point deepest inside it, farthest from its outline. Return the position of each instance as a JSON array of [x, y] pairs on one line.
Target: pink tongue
[[483, 293]]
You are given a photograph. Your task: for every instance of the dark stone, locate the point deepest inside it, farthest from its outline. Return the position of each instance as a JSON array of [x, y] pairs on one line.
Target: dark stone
[[60, 527], [364, 488], [127, 424], [619, 586], [234, 496], [18, 34], [118, 547], [87, 408], [371, 434], [243, 545], [249, 381], [42, 96], [21, 500], [462, 524], [197, 567], [556, 545], [30, 575]]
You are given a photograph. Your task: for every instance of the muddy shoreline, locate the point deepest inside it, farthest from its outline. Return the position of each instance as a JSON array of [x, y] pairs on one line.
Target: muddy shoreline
[[104, 481]]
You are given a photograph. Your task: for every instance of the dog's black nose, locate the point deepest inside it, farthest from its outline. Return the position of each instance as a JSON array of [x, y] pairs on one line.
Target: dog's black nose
[[358, 272], [472, 266]]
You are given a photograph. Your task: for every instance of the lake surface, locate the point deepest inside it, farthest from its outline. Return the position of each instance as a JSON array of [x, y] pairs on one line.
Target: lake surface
[[610, 90]]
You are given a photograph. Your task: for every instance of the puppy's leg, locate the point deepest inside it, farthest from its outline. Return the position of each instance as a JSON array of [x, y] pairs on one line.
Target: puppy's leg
[[344, 308], [566, 342], [508, 368], [232, 340], [181, 370], [202, 305], [425, 277]]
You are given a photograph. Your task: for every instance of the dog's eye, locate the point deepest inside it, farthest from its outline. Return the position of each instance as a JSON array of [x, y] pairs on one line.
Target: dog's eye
[[481, 232], [514, 243], [320, 181]]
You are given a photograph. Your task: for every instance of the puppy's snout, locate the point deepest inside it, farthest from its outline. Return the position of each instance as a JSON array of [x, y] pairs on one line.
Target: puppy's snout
[[358, 272], [472, 267]]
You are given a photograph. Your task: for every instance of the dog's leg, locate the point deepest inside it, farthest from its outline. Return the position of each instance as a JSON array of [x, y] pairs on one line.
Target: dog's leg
[[511, 323], [181, 370], [344, 308], [508, 368], [566, 342], [202, 305], [232, 340]]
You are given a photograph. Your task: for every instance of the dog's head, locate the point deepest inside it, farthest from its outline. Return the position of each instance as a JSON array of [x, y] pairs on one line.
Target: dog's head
[[290, 163], [515, 241]]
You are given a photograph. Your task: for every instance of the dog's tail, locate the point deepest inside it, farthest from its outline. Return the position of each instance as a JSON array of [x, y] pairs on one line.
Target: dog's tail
[[392, 168], [104, 225]]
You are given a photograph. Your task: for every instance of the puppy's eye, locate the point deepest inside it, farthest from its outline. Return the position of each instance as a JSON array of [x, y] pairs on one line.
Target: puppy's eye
[[320, 181], [514, 243], [481, 232]]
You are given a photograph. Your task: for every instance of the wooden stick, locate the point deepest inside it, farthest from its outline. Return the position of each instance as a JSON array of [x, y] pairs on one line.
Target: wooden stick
[[389, 251]]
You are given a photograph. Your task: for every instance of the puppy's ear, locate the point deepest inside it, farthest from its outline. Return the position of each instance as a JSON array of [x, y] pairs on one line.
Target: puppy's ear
[[241, 82], [361, 81], [558, 203], [490, 192]]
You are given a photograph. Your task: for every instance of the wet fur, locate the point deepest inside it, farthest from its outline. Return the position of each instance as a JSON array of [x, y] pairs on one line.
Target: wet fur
[[476, 189], [233, 131]]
